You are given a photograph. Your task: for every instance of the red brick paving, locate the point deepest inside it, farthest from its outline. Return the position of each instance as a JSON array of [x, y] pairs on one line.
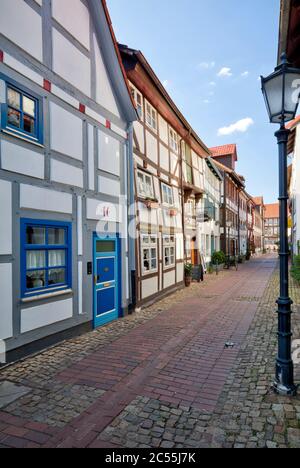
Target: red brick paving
[[18, 433], [178, 357]]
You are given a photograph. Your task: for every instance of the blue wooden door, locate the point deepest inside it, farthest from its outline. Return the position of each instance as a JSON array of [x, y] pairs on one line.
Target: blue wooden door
[[106, 297]]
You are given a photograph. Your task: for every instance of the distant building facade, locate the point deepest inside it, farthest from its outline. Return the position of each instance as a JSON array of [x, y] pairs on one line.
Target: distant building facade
[[272, 227], [210, 209], [259, 224], [243, 231], [170, 169], [225, 158]]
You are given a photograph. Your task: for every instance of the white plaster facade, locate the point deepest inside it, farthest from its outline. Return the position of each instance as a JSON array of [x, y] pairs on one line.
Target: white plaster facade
[[209, 221], [77, 168], [295, 192]]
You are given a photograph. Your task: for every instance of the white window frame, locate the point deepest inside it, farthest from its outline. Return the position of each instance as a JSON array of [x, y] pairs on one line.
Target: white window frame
[[141, 193], [169, 251], [139, 101], [173, 140], [149, 243], [191, 208], [151, 117], [170, 201]]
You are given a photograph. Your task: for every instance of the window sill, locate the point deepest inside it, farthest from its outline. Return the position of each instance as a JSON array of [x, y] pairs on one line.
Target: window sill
[[40, 297], [170, 267], [19, 137], [152, 129], [149, 273]]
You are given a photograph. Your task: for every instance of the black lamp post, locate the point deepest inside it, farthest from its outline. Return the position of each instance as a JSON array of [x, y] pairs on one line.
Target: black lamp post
[[281, 92]]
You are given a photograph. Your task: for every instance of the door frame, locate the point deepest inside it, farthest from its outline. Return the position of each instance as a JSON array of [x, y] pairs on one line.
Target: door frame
[[118, 274]]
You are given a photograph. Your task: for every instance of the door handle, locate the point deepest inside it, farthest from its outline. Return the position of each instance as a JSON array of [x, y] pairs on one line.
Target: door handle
[[96, 279]]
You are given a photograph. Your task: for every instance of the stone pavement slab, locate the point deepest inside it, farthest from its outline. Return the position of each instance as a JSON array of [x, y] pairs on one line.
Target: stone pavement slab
[[9, 392]]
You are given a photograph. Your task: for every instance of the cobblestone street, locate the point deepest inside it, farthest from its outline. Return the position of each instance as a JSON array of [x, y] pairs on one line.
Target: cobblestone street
[[164, 376]]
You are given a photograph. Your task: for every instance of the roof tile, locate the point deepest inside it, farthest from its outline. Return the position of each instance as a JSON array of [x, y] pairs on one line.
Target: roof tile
[[272, 211]]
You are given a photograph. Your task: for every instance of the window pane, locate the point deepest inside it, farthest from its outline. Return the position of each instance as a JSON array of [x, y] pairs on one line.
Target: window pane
[[56, 236], [35, 259], [140, 111], [146, 261], [13, 117], [13, 98], [28, 106], [141, 188], [28, 124], [35, 235], [105, 246], [35, 279], [57, 276], [56, 258]]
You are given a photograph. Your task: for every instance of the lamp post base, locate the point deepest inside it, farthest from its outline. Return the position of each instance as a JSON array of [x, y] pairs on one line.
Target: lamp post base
[[283, 390]]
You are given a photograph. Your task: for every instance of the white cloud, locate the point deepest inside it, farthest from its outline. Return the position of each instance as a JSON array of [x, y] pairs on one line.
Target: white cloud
[[212, 83], [245, 74], [240, 126], [165, 83], [206, 65], [225, 72], [206, 101]]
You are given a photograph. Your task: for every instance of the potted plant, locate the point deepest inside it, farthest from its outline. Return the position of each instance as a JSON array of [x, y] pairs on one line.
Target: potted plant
[[218, 260], [188, 272]]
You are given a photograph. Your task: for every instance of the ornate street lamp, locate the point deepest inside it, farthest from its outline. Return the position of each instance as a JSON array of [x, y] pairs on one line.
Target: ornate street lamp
[[281, 92]]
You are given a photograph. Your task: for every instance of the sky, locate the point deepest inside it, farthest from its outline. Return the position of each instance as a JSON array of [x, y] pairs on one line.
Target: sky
[[209, 56]]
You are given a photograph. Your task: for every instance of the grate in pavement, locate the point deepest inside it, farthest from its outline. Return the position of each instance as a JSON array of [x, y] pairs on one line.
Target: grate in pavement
[[247, 299]]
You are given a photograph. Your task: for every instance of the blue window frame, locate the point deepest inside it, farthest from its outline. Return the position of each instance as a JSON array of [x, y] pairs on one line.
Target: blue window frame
[[21, 114], [45, 256]]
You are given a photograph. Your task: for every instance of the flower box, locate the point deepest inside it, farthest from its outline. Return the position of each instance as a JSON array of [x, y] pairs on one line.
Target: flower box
[[152, 204], [173, 212]]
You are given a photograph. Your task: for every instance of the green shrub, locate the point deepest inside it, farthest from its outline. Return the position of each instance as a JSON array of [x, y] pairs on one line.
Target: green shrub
[[218, 258], [295, 270], [188, 269]]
